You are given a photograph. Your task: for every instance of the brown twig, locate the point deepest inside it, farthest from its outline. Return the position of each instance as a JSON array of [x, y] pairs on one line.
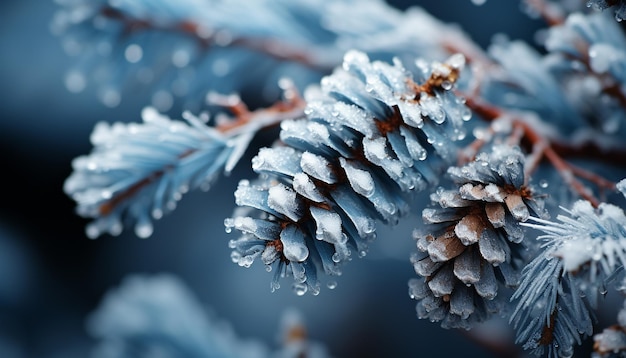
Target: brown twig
[[290, 108], [542, 148]]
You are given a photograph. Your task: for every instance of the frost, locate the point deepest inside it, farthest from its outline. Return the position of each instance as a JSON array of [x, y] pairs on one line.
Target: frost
[[469, 229], [360, 180], [317, 167], [304, 186], [282, 199], [294, 247], [328, 225]]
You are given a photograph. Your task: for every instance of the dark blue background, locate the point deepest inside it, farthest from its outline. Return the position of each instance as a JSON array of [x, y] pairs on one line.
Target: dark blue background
[[52, 276]]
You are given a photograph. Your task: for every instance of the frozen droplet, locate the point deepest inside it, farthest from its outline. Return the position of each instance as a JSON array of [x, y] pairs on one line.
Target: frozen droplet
[[543, 183], [181, 58], [92, 231], [331, 284], [75, 82], [268, 268], [362, 253], [466, 114], [601, 57], [143, 229], [336, 257], [133, 53], [106, 194], [447, 85], [300, 289], [220, 67], [157, 213]]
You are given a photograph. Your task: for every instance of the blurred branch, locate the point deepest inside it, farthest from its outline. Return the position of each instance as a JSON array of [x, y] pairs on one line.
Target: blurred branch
[[207, 37]]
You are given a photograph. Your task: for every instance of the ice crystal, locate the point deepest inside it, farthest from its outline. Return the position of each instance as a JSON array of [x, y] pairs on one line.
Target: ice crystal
[[471, 239], [371, 134]]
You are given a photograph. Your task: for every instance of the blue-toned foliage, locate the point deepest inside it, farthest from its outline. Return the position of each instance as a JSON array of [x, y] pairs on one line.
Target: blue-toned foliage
[[387, 97], [588, 54], [371, 135], [582, 253], [181, 49], [137, 172]]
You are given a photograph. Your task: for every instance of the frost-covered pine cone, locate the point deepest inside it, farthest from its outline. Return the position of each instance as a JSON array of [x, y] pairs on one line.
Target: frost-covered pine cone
[[471, 239], [370, 135]]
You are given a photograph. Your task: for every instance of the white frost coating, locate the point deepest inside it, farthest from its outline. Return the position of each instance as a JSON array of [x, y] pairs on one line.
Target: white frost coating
[[317, 167], [277, 159], [355, 118], [294, 247], [318, 130], [284, 200], [413, 145], [269, 255], [354, 57], [465, 230], [491, 248], [467, 267], [245, 224], [360, 180], [493, 193], [442, 283], [575, 253], [304, 186], [487, 286], [601, 57], [517, 207], [375, 148], [432, 107], [328, 226], [456, 61], [462, 303], [621, 186], [239, 144]]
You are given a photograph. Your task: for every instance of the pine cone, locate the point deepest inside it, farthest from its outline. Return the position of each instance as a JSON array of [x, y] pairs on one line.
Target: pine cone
[[371, 135], [471, 240]]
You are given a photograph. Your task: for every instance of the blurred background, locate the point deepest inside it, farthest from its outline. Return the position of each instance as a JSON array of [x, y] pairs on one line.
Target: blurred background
[[52, 276]]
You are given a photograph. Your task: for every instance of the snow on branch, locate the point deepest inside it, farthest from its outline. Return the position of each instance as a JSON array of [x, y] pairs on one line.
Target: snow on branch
[[138, 172]]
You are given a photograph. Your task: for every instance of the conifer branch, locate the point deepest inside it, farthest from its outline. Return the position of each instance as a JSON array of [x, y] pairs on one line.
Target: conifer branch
[[207, 37], [544, 148]]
